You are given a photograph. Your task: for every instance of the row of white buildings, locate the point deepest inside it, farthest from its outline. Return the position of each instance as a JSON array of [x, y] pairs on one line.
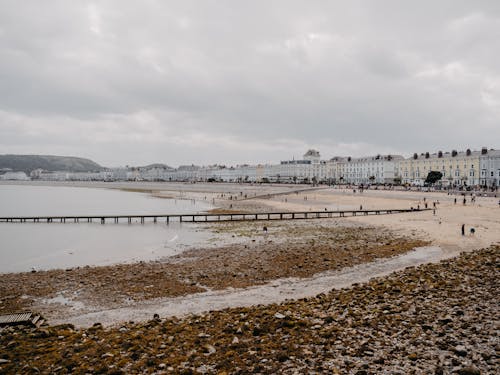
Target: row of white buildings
[[464, 168]]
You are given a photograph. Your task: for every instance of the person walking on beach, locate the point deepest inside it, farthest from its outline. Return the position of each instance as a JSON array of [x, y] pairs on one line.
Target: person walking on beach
[[472, 231], [463, 229]]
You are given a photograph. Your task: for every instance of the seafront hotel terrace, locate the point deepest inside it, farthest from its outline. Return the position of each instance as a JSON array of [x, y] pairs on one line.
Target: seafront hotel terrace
[[458, 168]]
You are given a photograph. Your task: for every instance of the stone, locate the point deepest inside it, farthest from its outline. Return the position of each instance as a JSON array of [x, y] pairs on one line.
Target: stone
[[209, 349], [469, 370], [413, 357], [279, 316], [461, 351]]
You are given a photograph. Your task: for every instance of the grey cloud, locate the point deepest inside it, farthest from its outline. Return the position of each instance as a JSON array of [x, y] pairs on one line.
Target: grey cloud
[[379, 76]]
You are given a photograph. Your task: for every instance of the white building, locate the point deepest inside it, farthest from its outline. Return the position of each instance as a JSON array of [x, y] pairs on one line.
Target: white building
[[14, 176], [379, 169], [489, 163], [310, 169]]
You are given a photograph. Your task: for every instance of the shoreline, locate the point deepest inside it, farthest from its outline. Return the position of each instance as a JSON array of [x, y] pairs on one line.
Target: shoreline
[[275, 291]]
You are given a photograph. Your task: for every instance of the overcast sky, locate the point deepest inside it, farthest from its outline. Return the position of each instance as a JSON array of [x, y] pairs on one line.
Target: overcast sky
[[181, 82]]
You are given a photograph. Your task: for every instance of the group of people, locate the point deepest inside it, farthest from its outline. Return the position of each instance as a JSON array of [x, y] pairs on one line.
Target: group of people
[[472, 230]]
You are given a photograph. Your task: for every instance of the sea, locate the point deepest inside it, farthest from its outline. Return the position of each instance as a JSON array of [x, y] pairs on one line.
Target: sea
[[43, 246]]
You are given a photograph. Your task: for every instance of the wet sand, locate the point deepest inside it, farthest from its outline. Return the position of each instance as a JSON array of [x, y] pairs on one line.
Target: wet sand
[[248, 258]]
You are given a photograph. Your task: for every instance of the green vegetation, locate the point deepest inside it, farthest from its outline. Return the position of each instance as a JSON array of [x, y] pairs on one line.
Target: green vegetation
[[28, 163], [433, 177]]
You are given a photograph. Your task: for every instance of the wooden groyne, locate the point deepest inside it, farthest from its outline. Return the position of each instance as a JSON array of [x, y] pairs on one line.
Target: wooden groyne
[[203, 218]]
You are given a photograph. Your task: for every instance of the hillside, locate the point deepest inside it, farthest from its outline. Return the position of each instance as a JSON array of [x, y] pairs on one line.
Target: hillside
[[27, 163]]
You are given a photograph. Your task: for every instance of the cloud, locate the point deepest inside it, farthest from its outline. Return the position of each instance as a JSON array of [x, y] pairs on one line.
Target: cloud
[[226, 82]]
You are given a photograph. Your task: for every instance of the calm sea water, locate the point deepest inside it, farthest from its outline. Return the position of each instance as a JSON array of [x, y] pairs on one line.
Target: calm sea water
[[24, 246]]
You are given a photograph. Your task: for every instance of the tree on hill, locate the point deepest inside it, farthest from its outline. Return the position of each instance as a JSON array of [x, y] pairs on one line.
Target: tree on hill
[[433, 177]]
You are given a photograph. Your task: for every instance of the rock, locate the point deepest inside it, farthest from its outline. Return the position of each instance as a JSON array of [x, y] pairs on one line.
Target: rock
[[4, 361], [469, 370], [461, 351], [235, 340], [208, 349], [107, 355], [413, 357], [279, 316], [43, 333], [447, 319]]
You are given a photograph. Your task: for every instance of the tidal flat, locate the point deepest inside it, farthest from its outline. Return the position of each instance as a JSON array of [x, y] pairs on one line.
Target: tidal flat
[[250, 257], [437, 318]]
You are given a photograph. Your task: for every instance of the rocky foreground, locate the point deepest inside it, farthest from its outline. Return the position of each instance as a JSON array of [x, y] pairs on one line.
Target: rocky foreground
[[435, 319]]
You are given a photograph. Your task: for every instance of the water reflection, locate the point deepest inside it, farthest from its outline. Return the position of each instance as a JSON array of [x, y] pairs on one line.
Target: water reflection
[[55, 245]]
